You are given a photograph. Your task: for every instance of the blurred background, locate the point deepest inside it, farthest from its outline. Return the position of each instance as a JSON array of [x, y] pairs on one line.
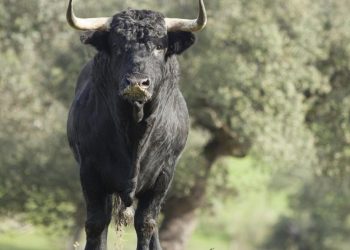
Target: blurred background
[[268, 159]]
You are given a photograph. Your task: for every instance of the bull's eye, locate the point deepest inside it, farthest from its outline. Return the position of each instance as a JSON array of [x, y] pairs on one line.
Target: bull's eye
[[158, 50]]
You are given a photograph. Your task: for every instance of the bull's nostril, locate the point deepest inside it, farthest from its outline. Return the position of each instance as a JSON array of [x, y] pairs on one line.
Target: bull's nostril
[[145, 83]]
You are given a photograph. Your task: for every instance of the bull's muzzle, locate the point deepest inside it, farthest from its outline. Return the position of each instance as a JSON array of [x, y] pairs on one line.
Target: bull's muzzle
[[136, 89]]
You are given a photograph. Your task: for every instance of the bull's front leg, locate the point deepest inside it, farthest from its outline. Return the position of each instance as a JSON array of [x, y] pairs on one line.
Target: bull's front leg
[[147, 213], [127, 194], [99, 207]]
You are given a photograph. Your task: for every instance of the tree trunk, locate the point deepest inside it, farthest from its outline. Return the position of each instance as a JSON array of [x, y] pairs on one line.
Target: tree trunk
[[180, 213], [176, 229]]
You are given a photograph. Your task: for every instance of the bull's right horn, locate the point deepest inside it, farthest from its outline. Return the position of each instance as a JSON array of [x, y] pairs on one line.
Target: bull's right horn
[[100, 23], [189, 25]]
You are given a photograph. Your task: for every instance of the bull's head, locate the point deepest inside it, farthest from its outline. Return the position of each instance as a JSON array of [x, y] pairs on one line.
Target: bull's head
[[139, 44]]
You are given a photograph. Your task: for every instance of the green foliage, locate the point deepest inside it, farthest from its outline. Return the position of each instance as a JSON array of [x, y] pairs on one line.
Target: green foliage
[[254, 76], [276, 73], [39, 176], [320, 219]]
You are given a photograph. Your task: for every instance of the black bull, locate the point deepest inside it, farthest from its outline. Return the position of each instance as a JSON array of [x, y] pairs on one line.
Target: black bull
[[128, 123]]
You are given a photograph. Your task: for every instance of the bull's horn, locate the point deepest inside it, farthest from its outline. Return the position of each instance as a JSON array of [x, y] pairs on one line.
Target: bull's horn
[[100, 23], [177, 24]]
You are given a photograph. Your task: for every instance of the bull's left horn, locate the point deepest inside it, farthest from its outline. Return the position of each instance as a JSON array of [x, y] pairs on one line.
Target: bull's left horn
[[177, 24], [100, 23]]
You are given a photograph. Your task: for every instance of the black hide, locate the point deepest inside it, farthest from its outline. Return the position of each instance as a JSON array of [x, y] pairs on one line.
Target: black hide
[[127, 136]]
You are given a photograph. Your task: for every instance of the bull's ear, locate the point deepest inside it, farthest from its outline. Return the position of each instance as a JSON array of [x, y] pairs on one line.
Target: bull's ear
[[98, 39], [179, 41]]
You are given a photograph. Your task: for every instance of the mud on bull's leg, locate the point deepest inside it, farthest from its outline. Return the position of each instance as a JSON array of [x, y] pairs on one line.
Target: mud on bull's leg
[[147, 213], [145, 222]]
